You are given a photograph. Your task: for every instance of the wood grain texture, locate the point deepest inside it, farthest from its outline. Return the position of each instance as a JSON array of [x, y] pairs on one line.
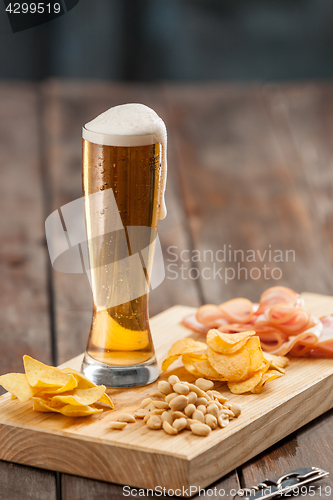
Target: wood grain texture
[[23, 285], [85, 446], [245, 186], [18, 482], [24, 307], [73, 487]]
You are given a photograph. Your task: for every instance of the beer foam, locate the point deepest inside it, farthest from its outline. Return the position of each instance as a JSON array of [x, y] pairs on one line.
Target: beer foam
[[130, 125]]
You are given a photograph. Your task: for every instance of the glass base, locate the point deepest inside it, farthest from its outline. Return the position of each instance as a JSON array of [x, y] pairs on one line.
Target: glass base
[[119, 376]]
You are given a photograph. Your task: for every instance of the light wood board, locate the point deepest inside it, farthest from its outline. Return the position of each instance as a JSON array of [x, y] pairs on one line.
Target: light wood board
[[140, 457]]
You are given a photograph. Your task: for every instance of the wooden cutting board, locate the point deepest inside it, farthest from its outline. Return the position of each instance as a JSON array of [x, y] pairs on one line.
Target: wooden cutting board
[[138, 456]]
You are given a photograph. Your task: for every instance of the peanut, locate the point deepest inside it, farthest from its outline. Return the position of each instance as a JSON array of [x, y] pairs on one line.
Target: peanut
[[161, 405], [211, 421], [201, 429], [151, 406], [219, 397], [204, 384], [147, 417], [228, 413], [141, 413], [171, 396], [118, 425], [169, 429], [126, 417], [213, 410], [178, 414], [189, 410], [236, 409], [201, 401], [166, 416], [198, 415], [191, 421], [145, 402], [173, 379], [154, 422], [199, 392], [164, 387], [178, 403], [223, 422], [202, 408], [158, 411], [180, 424], [192, 397], [181, 389], [157, 394]]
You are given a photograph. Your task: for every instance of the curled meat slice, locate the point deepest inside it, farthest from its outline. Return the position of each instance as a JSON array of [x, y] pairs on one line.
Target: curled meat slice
[[237, 310], [280, 321], [325, 343], [278, 295], [271, 341], [192, 323], [210, 314], [302, 343], [234, 328], [289, 319]]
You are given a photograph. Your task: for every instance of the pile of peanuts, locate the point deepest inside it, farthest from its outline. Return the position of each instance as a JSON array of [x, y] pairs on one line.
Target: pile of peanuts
[[181, 405]]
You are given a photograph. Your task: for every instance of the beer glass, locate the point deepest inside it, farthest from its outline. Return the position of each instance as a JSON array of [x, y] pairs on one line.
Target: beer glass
[[122, 188]]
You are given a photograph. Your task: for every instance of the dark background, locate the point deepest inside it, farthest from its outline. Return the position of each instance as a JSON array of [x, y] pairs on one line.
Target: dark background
[[180, 40]]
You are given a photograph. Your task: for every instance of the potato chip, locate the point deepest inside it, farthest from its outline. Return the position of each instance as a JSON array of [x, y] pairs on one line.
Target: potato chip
[[63, 391], [246, 385], [188, 362], [68, 410], [71, 384], [106, 400], [168, 361], [17, 384], [218, 345], [227, 343], [274, 366], [207, 371], [180, 347], [267, 377], [187, 345], [40, 375], [80, 397], [280, 361], [255, 352], [82, 381], [232, 367]]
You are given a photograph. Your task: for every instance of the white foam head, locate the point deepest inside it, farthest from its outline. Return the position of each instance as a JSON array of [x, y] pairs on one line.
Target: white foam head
[[130, 125], [126, 125]]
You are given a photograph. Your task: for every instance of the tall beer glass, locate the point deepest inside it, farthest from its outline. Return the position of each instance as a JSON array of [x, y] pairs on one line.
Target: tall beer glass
[[123, 171]]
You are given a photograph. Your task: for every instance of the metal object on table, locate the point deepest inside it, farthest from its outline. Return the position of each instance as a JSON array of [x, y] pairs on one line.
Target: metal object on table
[[274, 488]]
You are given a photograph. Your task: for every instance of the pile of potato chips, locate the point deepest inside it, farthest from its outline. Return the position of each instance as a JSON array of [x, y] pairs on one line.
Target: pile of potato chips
[[235, 358], [63, 391]]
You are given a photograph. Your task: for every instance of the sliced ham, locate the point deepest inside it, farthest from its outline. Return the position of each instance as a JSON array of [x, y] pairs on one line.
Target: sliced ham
[[280, 320]]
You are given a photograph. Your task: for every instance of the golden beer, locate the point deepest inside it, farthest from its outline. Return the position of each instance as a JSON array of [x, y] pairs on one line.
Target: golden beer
[[122, 187], [120, 335]]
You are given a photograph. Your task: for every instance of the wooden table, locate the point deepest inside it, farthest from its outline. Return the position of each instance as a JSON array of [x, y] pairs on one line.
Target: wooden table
[[249, 166]]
